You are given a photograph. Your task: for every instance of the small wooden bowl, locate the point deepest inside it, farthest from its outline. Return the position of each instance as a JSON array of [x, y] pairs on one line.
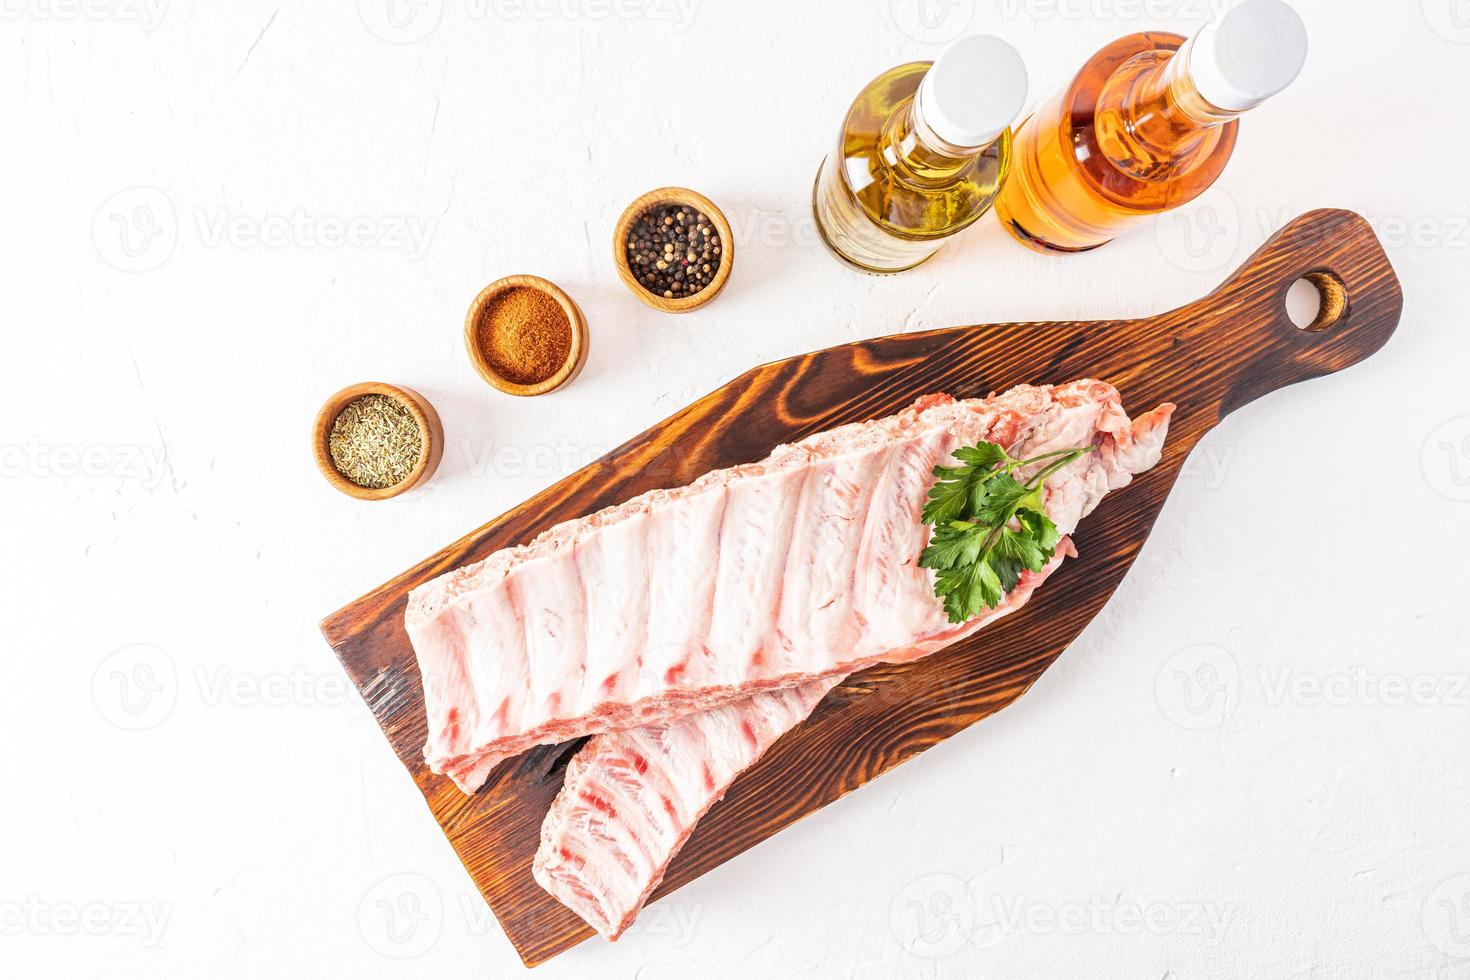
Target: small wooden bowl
[[691, 199], [576, 355], [431, 436]]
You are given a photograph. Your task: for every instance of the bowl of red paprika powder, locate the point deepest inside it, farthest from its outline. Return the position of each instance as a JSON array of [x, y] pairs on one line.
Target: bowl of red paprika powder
[[525, 335]]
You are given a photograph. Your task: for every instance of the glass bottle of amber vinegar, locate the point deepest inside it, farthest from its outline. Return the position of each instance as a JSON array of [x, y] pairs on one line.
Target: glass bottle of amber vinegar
[[921, 155], [1146, 126]]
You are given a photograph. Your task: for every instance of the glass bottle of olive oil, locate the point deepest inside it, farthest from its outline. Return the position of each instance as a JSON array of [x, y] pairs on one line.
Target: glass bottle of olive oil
[[1146, 126], [921, 156]]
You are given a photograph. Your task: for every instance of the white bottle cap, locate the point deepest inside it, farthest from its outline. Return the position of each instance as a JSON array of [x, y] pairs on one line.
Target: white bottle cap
[[1248, 54], [974, 90]]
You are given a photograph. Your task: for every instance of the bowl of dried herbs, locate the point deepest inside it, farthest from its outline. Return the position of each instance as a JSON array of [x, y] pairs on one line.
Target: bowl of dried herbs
[[375, 440]]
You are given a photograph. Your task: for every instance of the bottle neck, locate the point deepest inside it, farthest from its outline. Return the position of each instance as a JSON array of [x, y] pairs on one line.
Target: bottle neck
[[1158, 111], [920, 152]]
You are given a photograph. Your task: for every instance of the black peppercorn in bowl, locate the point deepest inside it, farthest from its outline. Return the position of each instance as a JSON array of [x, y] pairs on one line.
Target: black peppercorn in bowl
[[674, 250]]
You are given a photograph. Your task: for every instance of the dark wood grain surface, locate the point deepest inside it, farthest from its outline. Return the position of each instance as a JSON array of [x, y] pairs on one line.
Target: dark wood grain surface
[[1209, 357]]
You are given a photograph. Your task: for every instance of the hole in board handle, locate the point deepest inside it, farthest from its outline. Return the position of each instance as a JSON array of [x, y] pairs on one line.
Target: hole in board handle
[[1316, 301]]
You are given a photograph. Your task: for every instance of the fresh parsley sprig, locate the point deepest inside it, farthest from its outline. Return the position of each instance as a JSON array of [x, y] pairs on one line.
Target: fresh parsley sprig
[[988, 526]]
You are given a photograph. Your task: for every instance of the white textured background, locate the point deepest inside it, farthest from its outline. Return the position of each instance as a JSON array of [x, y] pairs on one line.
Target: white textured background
[[1255, 763]]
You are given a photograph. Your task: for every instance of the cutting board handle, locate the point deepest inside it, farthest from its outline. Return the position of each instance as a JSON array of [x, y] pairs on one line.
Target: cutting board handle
[[1338, 252]]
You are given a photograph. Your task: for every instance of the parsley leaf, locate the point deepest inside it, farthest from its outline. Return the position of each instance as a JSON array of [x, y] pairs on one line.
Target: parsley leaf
[[952, 544], [989, 527], [950, 497], [1003, 494], [984, 456], [970, 587]]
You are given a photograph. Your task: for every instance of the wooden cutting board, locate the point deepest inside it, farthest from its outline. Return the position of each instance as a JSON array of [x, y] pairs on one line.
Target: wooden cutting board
[[1210, 358]]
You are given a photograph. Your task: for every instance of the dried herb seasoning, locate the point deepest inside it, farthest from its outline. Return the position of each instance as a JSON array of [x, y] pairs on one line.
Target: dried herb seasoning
[[674, 251], [375, 442]]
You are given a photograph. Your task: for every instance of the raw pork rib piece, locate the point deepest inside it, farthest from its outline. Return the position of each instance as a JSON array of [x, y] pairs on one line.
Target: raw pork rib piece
[[800, 567], [632, 798]]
